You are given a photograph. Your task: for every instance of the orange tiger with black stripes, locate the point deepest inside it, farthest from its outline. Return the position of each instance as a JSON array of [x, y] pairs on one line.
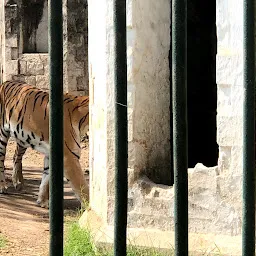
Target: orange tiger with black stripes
[[24, 111]]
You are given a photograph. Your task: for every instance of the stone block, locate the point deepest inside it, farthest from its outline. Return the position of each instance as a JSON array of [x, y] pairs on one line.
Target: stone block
[[11, 67], [82, 83], [12, 41], [30, 80], [14, 53], [236, 160], [229, 130], [224, 100], [229, 69], [147, 221], [202, 190], [8, 27], [42, 81], [78, 40], [72, 82], [23, 67], [35, 67], [237, 94], [46, 68], [19, 78], [224, 159], [8, 53]]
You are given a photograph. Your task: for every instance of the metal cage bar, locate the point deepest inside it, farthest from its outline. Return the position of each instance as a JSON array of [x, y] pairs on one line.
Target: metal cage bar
[[179, 93], [56, 126], [248, 234], [121, 147]]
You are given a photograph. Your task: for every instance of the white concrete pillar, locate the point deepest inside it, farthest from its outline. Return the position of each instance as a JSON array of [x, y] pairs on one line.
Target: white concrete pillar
[[148, 45]]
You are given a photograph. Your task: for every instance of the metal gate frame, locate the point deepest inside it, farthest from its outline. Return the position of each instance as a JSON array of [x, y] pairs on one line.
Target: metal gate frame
[[179, 88]]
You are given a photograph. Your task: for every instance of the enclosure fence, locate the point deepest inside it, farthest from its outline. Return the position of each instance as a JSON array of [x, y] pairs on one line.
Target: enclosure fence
[[179, 104]]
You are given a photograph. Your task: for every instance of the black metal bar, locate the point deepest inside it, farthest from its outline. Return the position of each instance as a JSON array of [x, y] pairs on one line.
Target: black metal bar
[[121, 146], [248, 244], [56, 126], [179, 92]]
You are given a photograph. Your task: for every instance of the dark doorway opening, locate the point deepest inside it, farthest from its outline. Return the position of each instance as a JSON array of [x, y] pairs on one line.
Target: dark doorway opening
[[201, 84], [202, 88]]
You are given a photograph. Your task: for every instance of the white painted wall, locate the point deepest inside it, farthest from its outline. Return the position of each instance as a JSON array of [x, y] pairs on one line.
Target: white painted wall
[[229, 77], [148, 29], [100, 34]]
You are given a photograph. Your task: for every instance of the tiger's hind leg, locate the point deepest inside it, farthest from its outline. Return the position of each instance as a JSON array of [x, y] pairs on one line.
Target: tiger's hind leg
[[4, 137], [43, 195], [17, 177]]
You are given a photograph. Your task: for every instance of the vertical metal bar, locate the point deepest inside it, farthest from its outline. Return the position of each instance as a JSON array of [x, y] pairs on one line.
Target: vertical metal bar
[[121, 151], [248, 240], [56, 126], [179, 92]]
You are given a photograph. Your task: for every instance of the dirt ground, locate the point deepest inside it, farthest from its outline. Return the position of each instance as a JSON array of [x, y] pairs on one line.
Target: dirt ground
[[22, 222]]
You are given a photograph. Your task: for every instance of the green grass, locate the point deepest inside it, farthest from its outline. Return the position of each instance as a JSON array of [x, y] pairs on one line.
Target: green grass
[[79, 242], [3, 241]]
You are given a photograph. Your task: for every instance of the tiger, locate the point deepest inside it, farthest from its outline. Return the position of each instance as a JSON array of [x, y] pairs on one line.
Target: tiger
[[24, 113]]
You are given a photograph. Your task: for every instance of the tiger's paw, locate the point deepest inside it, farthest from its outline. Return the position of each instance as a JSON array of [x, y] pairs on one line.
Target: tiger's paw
[[18, 186], [43, 203], [3, 187]]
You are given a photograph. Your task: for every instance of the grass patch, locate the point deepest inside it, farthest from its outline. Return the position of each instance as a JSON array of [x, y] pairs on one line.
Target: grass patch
[[3, 241], [79, 242]]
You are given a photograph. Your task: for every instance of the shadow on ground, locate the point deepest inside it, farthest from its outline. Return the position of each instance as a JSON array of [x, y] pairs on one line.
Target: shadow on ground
[[21, 205]]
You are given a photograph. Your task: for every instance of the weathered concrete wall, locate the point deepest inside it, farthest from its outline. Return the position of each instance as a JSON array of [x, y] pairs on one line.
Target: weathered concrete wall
[[34, 25], [148, 34], [230, 99], [42, 31], [12, 35], [101, 103], [148, 95], [33, 67], [77, 46]]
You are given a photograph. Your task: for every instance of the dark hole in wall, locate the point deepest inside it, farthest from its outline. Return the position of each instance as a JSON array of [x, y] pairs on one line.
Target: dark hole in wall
[[202, 88], [201, 84], [32, 13]]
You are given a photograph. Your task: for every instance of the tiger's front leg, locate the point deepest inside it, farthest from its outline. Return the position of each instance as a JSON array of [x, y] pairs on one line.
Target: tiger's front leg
[[4, 137], [43, 195], [17, 177], [75, 176]]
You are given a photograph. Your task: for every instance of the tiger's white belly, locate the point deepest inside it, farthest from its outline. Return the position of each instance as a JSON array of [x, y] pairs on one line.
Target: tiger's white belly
[[28, 139]]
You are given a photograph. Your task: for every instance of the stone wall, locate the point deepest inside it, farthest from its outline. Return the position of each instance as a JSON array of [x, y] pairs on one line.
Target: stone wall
[[12, 36], [33, 67], [229, 77], [34, 26], [77, 45]]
